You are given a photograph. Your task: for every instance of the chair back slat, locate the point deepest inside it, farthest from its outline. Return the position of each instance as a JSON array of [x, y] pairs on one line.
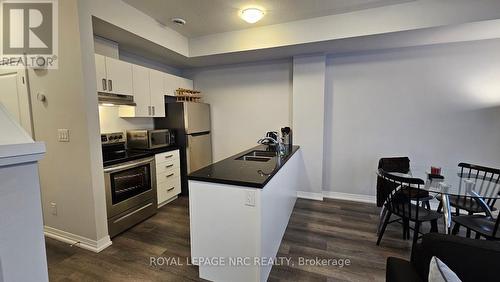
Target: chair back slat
[[399, 201], [488, 177]]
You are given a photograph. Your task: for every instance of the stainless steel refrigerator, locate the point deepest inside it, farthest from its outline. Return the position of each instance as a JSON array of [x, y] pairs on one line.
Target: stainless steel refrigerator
[[191, 122]]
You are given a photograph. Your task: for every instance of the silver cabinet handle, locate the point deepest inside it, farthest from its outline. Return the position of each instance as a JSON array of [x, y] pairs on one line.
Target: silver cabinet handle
[[168, 190], [103, 84], [153, 110], [169, 166], [110, 84], [169, 156], [170, 175]]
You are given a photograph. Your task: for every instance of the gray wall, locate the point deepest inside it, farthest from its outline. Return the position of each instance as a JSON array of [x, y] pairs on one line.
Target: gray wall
[[438, 105], [246, 101]]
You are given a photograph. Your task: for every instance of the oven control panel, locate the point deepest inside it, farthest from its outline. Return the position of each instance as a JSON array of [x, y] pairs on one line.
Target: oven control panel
[[112, 138]]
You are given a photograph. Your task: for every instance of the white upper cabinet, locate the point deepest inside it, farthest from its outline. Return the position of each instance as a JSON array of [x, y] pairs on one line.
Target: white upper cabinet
[[113, 76], [142, 92], [172, 83], [156, 84], [148, 86], [119, 75], [100, 66]]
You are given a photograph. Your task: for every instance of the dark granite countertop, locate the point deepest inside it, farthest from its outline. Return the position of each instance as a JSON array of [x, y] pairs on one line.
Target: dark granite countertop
[[243, 172], [134, 154]]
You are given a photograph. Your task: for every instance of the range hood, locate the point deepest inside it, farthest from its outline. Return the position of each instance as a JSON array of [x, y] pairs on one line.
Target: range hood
[[115, 99]]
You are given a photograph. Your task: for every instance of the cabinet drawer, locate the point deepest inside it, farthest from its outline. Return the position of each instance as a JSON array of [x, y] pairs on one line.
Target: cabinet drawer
[[168, 189], [168, 175], [167, 156], [167, 166]]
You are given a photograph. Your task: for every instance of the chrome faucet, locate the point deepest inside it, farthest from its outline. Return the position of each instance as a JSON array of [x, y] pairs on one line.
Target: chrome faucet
[[278, 142]]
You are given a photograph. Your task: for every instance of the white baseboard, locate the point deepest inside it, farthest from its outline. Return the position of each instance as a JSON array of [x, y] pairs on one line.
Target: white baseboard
[[350, 197], [76, 240], [310, 195]]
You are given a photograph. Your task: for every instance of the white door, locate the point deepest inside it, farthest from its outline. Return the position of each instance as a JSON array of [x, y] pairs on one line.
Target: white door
[[119, 76], [141, 91], [156, 86], [14, 96], [100, 72]]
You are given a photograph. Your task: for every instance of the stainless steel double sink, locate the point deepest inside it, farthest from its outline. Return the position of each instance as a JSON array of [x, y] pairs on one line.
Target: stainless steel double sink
[[257, 156]]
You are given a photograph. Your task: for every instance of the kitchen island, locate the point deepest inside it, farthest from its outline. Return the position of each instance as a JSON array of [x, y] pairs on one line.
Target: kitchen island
[[239, 209]]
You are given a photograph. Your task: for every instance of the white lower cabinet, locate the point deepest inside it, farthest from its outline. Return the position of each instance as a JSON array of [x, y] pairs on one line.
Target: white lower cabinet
[[168, 176]]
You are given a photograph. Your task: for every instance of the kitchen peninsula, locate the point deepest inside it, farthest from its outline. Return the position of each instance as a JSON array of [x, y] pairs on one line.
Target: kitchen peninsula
[[239, 209]]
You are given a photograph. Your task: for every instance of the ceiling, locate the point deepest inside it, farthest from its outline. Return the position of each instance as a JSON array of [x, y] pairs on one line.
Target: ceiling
[[215, 16]]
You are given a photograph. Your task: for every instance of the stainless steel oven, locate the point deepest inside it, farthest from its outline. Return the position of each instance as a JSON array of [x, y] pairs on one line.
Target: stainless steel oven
[[130, 193]]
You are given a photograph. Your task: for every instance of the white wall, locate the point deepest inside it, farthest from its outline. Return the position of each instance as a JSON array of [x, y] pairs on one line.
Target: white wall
[[71, 173], [308, 116], [437, 105], [246, 101]]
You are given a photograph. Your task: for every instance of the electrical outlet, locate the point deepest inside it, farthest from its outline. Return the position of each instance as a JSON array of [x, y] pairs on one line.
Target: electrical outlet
[[250, 198], [53, 208], [63, 135]]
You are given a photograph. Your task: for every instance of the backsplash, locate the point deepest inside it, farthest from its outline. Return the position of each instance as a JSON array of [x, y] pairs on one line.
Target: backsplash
[[110, 121]]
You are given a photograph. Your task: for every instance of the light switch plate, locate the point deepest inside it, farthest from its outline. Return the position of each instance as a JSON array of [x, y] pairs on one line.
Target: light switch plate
[[250, 198], [63, 135]]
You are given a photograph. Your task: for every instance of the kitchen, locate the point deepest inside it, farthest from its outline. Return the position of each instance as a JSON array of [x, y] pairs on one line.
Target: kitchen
[[184, 129]]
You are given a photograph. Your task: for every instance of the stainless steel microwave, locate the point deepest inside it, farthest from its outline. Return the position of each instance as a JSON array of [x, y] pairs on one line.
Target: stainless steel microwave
[[149, 138]]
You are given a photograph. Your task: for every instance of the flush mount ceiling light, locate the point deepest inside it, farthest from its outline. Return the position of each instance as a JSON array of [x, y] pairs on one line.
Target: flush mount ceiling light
[[178, 21], [252, 15]]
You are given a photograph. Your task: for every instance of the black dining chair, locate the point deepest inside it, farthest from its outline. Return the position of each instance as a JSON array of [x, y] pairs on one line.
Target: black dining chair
[[483, 226], [402, 203], [479, 174], [384, 187]]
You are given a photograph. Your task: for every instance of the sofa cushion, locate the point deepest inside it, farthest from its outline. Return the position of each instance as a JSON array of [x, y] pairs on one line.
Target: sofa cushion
[[440, 272]]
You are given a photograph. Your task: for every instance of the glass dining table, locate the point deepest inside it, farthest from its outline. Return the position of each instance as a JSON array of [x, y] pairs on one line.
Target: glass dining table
[[453, 183]]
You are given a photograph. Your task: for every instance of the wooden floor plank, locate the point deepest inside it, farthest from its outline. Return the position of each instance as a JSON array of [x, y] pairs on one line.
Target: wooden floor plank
[[331, 229]]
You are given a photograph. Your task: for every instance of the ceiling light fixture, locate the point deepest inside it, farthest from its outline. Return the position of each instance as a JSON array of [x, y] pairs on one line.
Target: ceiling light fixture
[[252, 15], [178, 21]]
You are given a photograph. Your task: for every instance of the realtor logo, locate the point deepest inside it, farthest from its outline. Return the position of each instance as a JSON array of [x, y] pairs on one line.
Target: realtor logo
[[29, 33]]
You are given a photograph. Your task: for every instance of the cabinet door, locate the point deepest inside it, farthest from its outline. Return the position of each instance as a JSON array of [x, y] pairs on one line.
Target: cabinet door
[[119, 75], [157, 93], [185, 83], [170, 84], [100, 72], [141, 91]]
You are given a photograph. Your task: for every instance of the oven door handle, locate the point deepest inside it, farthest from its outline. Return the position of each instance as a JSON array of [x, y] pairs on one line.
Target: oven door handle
[[127, 166]]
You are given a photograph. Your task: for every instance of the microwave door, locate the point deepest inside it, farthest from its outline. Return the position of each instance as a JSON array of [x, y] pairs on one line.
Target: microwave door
[[196, 117], [199, 151]]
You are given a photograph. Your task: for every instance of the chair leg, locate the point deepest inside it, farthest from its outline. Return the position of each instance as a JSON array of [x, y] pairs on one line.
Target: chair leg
[[434, 226], [468, 234], [415, 233], [383, 213], [406, 227], [428, 205], [440, 207], [456, 229], [384, 226], [478, 236]]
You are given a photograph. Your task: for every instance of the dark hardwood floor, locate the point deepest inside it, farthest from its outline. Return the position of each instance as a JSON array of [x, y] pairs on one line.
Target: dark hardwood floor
[[331, 229]]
